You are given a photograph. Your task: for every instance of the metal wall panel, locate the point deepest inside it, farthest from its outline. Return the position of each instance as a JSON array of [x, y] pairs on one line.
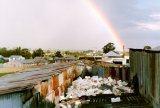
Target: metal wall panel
[[10, 101], [146, 64]]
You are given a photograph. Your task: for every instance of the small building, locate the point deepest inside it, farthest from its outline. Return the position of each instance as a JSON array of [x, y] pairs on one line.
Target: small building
[[32, 62], [16, 57], [12, 63], [115, 57], [27, 62]]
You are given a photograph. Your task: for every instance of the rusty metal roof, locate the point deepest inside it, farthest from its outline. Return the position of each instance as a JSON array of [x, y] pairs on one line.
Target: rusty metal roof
[[30, 77]]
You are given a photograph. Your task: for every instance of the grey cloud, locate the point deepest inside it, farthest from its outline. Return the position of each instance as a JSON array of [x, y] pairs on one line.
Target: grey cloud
[[70, 24], [135, 21]]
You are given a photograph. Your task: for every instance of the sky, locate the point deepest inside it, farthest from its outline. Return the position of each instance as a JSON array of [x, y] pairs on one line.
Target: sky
[[74, 24]]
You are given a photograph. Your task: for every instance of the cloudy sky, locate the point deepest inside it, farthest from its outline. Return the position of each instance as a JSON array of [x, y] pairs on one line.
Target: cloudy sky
[[72, 24]]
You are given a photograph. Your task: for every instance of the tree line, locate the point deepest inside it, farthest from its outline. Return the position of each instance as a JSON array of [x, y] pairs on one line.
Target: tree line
[[25, 52], [111, 47]]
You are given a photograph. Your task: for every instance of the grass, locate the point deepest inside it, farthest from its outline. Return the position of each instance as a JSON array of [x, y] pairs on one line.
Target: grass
[[2, 74]]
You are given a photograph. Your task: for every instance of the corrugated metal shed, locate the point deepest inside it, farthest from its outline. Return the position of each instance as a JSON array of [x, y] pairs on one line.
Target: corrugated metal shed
[[146, 64], [113, 54], [36, 87], [30, 77], [104, 69]]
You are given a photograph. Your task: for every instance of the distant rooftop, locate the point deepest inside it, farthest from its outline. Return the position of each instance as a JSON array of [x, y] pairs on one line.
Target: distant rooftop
[[32, 61], [156, 48], [113, 54], [1, 56], [15, 56], [57, 58]]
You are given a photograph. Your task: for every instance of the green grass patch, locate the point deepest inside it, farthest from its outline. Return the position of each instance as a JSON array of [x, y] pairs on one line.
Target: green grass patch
[[2, 74]]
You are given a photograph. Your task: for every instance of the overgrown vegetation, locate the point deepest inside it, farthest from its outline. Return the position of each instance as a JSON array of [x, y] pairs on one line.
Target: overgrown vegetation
[[25, 52], [16, 51]]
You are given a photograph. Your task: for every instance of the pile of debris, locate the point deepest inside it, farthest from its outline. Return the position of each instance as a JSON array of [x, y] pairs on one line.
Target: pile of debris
[[91, 86]]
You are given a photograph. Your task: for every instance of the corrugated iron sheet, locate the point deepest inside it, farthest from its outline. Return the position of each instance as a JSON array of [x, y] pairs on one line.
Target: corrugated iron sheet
[[10, 101], [146, 64], [34, 85], [121, 73], [31, 77]]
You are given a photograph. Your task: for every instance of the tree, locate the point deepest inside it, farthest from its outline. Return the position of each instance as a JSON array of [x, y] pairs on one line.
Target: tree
[[58, 54], [67, 52], [26, 53], [4, 52], [109, 47], [38, 53], [21, 51], [17, 51], [147, 47]]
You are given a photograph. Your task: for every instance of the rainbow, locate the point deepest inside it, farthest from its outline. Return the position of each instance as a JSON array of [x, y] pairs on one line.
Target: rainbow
[[107, 24]]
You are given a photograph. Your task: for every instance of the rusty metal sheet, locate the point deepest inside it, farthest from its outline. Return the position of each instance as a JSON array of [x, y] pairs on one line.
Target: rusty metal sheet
[[30, 77], [146, 64]]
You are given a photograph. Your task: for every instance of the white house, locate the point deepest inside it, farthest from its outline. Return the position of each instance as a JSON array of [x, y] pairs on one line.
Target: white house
[[16, 57], [115, 57]]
